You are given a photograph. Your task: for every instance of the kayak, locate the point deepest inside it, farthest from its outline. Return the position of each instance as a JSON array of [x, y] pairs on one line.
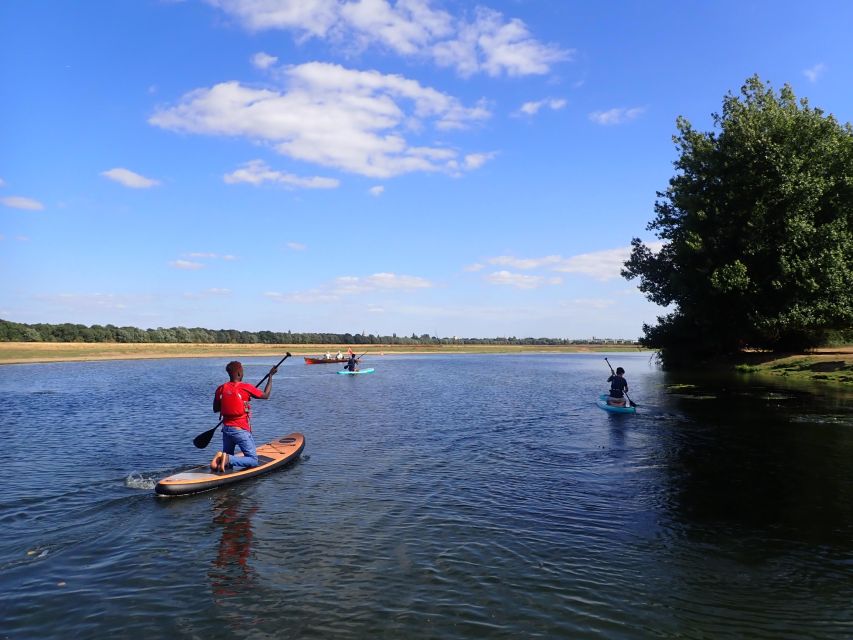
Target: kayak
[[602, 403], [347, 372], [310, 360], [272, 455]]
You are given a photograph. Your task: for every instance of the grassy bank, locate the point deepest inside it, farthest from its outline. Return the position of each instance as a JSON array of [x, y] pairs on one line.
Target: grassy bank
[[833, 365], [22, 352]]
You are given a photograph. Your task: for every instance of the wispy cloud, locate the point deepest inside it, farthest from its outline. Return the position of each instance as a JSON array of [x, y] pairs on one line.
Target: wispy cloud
[[206, 255], [296, 246], [256, 172], [129, 178], [525, 263], [354, 285], [532, 108], [477, 160], [474, 267], [815, 72], [188, 265], [20, 202], [263, 60], [486, 43], [600, 265], [331, 116], [519, 280], [2, 182], [376, 191], [618, 115]]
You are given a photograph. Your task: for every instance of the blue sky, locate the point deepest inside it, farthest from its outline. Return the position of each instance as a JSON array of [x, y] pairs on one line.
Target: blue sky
[[451, 168]]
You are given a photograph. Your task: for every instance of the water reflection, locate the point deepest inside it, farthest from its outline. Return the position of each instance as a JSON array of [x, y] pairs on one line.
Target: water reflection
[[231, 573], [753, 462]]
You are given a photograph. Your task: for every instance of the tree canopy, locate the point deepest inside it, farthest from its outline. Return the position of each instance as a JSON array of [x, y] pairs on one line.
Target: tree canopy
[[757, 231]]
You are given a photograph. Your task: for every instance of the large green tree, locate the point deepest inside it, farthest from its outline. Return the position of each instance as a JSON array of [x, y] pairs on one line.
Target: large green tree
[[757, 231]]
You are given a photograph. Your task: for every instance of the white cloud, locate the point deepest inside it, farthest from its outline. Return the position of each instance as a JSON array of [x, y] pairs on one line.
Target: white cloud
[[354, 285], [525, 263], [616, 116], [331, 116], [315, 17], [508, 47], [376, 191], [20, 202], [263, 60], [129, 178], [601, 265], [477, 160], [256, 172], [815, 72], [518, 280], [187, 265], [489, 43], [296, 246], [532, 108], [474, 267]]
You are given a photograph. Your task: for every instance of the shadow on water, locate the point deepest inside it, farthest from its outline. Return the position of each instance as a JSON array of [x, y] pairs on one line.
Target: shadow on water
[[759, 459]]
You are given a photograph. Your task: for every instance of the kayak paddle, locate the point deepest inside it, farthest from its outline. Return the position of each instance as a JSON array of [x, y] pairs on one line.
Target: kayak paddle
[[203, 439]]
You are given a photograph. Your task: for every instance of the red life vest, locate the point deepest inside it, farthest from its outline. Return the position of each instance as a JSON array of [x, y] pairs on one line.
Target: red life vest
[[233, 401]]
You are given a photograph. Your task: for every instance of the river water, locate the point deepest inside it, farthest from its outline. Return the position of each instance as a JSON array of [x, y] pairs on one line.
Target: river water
[[461, 496]]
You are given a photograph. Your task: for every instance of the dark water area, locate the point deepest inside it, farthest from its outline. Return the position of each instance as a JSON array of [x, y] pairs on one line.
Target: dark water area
[[443, 497]]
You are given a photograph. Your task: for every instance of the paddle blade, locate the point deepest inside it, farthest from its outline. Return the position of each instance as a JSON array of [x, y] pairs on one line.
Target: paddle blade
[[203, 439]]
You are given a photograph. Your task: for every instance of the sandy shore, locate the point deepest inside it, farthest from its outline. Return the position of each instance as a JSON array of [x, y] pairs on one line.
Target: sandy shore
[[24, 352]]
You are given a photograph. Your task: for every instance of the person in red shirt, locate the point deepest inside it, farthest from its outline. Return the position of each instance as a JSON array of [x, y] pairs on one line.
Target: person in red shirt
[[231, 400]]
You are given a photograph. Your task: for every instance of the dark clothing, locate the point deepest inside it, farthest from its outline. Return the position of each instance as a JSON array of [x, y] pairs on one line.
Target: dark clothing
[[618, 386], [352, 363]]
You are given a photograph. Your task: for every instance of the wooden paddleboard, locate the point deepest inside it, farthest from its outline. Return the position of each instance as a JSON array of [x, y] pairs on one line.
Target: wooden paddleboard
[[272, 455]]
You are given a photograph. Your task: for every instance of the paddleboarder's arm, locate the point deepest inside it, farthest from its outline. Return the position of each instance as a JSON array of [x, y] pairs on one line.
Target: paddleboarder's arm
[[216, 406], [268, 387]]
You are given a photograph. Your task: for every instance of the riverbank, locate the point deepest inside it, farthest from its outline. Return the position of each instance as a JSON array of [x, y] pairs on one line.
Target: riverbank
[[32, 352], [831, 364]]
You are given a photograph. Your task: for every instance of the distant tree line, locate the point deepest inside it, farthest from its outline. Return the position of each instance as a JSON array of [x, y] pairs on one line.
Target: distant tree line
[[67, 332]]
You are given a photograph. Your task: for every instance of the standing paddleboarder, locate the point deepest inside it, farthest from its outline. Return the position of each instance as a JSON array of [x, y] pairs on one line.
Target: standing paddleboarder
[[231, 400]]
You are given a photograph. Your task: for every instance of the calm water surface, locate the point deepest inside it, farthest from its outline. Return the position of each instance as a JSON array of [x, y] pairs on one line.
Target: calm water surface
[[440, 497]]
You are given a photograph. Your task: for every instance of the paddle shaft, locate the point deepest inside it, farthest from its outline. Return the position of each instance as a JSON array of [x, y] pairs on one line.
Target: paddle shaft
[[203, 439]]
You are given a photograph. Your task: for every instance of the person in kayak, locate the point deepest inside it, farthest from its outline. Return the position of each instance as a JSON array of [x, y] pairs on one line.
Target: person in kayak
[[618, 388], [352, 363], [231, 400]]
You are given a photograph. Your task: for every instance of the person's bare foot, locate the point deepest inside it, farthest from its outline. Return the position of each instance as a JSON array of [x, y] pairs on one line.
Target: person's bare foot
[[223, 461], [214, 464]]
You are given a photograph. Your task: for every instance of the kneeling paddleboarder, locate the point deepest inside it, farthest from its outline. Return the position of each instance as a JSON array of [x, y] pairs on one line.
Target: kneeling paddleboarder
[[231, 401]]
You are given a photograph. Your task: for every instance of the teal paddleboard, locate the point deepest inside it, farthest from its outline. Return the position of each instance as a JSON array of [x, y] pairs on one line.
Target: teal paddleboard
[[602, 403], [347, 372]]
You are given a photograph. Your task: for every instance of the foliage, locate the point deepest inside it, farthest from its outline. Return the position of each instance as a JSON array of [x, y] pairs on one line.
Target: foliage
[[17, 332], [757, 231]]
